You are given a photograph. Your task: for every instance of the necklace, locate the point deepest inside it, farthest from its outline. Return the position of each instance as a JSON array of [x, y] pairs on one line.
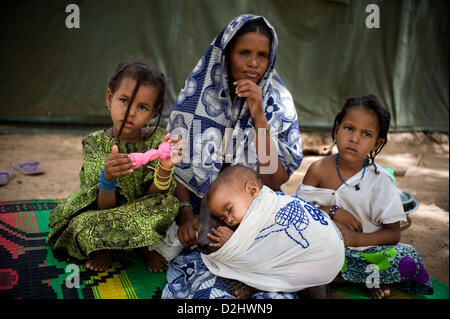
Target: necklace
[[357, 187]]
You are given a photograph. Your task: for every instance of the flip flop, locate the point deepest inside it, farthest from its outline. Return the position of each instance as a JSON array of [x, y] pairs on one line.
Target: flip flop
[[5, 176], [28, 168]]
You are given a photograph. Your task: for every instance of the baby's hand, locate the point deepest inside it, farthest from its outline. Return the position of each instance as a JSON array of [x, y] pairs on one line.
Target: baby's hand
[[117, 164], [221, 236], [178, 145]]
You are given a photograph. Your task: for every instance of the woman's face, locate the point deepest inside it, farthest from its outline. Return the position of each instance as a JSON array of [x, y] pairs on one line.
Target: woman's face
[[249, 57]]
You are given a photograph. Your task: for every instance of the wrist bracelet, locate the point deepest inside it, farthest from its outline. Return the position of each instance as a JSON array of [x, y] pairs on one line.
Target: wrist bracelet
[[162, 185], [262, 131], [333, 211], [185, 204], [106, 185], [105, 193]]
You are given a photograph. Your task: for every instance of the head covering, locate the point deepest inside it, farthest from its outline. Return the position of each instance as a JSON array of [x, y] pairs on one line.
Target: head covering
[[217, 129]]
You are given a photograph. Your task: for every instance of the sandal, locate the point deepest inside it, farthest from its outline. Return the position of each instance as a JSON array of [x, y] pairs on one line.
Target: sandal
[[5, 176], [28, 168]]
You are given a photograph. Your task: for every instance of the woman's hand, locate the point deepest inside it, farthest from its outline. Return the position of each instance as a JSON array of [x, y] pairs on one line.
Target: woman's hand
[[248, 89], [117, 164], [221, 235], [345, 218], [177, 148], [187, 232]]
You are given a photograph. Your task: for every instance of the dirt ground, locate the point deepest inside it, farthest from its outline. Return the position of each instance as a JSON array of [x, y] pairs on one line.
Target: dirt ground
[[420, 162]]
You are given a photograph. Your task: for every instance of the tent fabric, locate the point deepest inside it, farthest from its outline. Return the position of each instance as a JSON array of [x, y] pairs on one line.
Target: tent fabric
[[326, 53]]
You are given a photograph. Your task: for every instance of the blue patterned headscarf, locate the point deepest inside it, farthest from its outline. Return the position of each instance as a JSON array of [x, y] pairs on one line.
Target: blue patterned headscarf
[[217, 129]]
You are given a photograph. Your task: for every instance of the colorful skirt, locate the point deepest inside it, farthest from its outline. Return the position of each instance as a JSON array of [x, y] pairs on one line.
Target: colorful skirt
[[139, 223], [398, 265], [189, 278]]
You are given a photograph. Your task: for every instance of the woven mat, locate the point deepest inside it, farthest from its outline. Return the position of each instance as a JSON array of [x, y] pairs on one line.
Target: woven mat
[[29, 269]]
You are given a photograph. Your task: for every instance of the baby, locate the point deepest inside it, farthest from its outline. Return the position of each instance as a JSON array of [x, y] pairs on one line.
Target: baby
[[274, 242], [229, 198]]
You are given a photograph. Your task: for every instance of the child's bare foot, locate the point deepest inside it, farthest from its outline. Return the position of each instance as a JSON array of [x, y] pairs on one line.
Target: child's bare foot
[[379, 293], [101, 261], [154, 261]]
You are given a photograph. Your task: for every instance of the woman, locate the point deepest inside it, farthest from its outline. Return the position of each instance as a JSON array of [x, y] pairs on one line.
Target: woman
[[233, 109]]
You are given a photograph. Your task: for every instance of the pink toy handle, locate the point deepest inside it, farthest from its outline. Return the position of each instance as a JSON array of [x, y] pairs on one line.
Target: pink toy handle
[[163, 151]]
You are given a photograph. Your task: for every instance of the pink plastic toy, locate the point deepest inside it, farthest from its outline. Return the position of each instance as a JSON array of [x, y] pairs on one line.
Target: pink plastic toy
[[162, 152]]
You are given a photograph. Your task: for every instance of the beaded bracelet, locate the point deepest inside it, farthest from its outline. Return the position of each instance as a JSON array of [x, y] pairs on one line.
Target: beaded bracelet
[[333, 211]]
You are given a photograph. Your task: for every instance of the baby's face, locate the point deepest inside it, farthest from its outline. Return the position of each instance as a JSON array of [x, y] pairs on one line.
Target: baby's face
[[230, 203]]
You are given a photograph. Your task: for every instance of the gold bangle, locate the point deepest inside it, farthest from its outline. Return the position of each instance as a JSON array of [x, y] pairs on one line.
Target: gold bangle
[[159, 175], [165, 184], [165, 169], [161, 187]]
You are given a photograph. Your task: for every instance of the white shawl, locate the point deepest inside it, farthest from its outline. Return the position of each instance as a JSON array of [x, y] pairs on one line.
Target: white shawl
[[282, 244]]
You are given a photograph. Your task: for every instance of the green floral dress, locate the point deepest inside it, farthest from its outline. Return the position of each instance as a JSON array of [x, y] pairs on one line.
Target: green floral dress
[[78, 228]]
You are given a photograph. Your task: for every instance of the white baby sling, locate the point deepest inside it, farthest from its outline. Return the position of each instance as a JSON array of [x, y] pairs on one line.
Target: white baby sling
[[282, 244]]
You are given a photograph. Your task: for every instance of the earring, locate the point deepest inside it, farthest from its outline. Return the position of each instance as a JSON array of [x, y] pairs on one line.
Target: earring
[[328, 149]]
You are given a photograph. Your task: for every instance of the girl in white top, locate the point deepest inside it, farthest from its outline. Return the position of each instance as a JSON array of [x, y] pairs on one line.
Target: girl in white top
[[364, 203]]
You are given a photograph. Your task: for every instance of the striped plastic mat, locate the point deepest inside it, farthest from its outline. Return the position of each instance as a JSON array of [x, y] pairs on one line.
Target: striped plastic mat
[[30, 270]]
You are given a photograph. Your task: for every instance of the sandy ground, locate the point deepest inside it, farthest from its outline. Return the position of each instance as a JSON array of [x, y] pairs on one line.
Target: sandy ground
[[420, 161]]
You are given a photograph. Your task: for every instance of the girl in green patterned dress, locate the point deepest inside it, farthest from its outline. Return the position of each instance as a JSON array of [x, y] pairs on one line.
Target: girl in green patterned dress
[[118, 207]]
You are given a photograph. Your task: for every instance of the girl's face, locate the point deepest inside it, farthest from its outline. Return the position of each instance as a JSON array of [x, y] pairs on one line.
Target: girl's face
[[357, 134], [230, 204], [142, 110], [249, 57]]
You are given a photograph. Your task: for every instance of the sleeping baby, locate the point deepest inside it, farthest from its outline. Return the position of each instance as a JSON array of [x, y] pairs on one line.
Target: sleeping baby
[[272, 241]]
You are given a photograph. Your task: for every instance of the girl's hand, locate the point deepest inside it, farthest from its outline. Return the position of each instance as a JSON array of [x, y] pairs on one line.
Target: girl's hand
[[117, 164], [178, 146], [350, 237], [221, 236], [345, 218], [248, 89]]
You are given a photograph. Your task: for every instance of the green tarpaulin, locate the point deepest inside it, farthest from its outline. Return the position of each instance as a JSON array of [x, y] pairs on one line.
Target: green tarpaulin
[[326, 53]]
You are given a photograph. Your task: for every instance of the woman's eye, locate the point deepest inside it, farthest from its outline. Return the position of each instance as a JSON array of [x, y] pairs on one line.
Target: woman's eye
[[124, 100], [143, 108]]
